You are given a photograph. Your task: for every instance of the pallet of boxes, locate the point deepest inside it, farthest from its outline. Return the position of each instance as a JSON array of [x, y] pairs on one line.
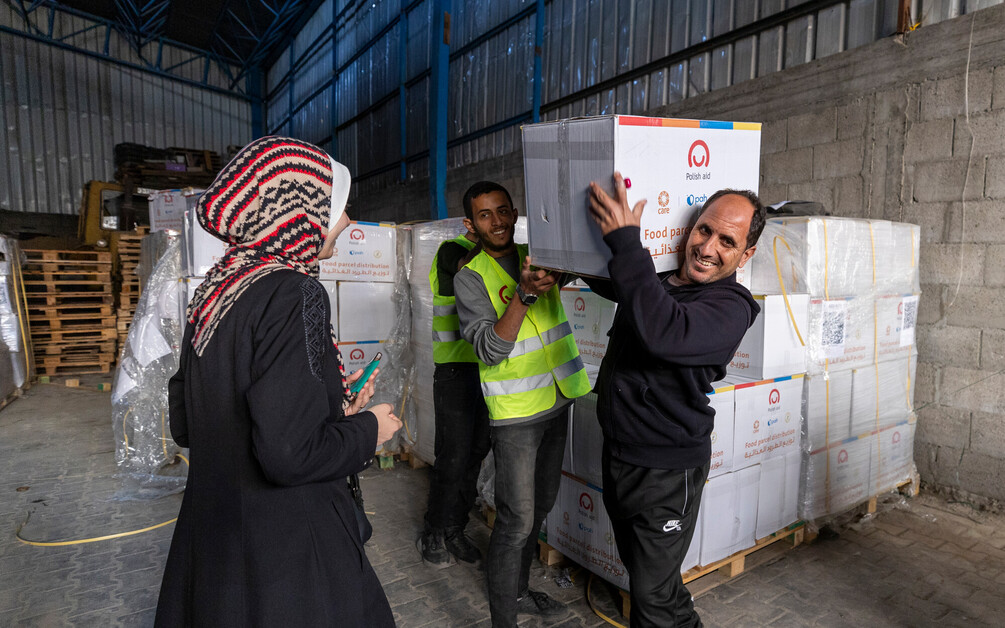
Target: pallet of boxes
[[767, 473]]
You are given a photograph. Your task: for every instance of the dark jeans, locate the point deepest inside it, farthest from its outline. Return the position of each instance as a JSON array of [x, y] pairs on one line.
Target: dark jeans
[[462, 442], [653, 512], [528, 462]]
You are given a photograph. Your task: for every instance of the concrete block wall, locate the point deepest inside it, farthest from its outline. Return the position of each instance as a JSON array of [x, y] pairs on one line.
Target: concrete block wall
[[910, 129]]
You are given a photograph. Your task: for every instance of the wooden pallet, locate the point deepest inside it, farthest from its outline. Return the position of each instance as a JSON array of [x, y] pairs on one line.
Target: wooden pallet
[[70, 322], [52, 298], [73, 336], [106, 347], [42, 310], [67, 256], [81, 367]]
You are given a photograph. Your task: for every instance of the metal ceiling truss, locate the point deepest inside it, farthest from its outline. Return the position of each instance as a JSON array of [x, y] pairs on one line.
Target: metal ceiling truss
[[240, 28], [42, 21]]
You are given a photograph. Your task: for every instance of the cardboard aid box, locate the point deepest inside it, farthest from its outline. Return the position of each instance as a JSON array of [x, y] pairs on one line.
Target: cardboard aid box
[[775, 345], [729, 507], [356, 355], [767, 420], [827, 408], [591, 317], [366, 311], [882, 394], [673, 164], [898, 248], [893, 456], [778, 494], [896, 320], [167, 210], [722, 400], [365, 251], [836, 478], [584, 445], [202, 250], [842, 334]]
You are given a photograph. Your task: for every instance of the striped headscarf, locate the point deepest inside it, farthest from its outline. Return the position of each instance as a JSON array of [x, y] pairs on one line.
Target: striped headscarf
[[271, 204]]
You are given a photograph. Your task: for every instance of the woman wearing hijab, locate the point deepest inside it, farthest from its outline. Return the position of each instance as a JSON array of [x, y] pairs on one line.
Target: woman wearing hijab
[[268, 533]]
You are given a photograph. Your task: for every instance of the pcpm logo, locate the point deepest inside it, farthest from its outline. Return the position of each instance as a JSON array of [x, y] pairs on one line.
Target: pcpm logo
[[357, 234], [505, 298], [586, 502], [693, 200], [774, 397], [698, 158], [580, 304], [772, 422], [843, 456], [356, 354]]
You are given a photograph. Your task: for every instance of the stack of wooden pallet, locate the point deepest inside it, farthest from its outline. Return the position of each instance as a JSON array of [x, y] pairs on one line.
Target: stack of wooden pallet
[[126, 251], [69, 296]]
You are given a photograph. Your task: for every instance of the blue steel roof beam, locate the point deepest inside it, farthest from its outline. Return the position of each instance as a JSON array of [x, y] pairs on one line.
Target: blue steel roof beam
[[143, 22], [285, 14]]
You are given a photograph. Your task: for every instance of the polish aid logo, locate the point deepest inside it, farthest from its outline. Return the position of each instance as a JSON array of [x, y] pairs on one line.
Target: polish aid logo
[[580, 304], [505, 298], [698, 158], [357, 235], [774, 397], [843, 456], [356, 354], [896, 438], [586, 502]]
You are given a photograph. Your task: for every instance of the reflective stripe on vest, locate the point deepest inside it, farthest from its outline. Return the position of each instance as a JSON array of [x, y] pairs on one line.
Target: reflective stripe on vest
[[448, 345], [543, 356]]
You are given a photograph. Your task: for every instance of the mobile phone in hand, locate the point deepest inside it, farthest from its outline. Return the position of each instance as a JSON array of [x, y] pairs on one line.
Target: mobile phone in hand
[[358, 385]]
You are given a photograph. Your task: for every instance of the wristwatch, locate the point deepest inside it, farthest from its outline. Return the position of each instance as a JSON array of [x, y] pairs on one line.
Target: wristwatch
[[526, 299]]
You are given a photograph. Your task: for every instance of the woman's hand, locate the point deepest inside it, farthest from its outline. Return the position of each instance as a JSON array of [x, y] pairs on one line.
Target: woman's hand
[[364, 396], [387, 423]]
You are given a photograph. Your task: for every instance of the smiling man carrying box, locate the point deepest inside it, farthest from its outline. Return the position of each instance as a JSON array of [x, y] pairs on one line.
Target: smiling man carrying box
[[674, 333]]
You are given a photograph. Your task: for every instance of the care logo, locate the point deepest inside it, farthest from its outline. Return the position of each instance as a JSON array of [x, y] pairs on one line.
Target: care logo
[[698, 155], [357, 235], [843, 456], [757, 425], [586, 502], [580, 304], [503, 296], [663, 199], [356, 354], [565, 517]]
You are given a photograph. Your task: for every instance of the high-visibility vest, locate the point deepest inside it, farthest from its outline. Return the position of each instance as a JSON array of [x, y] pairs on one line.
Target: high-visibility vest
[[448, 346], [544, 355]]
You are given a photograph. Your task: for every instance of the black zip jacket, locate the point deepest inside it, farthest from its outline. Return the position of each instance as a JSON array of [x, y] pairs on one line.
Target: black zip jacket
[[667, 345]]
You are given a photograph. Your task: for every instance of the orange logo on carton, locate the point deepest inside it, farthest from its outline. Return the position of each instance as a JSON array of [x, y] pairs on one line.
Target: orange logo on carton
[[663, 199], [698, 159]]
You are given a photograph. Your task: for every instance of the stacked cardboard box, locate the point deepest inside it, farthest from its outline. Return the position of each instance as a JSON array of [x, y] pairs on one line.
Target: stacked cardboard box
[[862, 278]]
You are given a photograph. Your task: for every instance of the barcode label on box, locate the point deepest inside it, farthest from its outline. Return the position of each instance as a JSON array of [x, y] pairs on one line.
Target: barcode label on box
[[909, 318], [832, 333]]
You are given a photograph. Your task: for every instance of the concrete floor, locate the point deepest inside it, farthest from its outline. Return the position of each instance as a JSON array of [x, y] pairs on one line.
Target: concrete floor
[[918, 562]]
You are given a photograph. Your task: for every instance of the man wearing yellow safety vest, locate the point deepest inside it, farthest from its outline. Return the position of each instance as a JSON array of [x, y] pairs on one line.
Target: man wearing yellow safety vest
[[530, 372], [674, 334], [460, 417]]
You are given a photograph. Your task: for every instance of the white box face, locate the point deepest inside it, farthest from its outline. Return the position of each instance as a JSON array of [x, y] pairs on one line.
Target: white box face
[[363, 252], [841, 334], [590, 317], [837, 478], [673, 164], [827, 408], [882, 395], [331, 287], [365, 311], [896, 319], [893, 457], [729, 503], [203, 250], [167, 210], [778, 494], [772, 347], [722, 401], [766, 424], [357, 355], [578, 526]]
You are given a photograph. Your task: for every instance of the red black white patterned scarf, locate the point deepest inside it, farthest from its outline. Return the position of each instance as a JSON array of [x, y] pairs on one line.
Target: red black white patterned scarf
[[271, 204]]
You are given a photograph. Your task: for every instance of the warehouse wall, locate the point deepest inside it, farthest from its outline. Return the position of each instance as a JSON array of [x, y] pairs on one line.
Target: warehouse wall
[[883, 132], [62, 114]]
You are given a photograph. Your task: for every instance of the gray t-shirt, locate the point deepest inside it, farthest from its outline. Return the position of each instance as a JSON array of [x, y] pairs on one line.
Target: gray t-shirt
[[478, 317]]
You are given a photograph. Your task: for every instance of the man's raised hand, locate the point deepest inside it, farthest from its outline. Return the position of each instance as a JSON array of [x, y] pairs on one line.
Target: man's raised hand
[[613, 213]]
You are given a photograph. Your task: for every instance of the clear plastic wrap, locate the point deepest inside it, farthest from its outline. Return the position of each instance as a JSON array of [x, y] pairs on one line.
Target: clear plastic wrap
[[150, 462], [836, 257], [15, 344]]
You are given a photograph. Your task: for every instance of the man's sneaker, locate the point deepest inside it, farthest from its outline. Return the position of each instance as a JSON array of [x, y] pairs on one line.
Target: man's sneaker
[[433, 549], [539, 603], [460, 546]]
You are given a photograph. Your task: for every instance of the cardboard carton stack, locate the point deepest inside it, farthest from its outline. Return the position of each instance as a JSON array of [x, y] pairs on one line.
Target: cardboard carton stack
[[863, 285]]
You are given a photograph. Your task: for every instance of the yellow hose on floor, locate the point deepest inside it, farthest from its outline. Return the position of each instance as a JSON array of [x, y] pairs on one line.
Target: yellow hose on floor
[[597, 611]]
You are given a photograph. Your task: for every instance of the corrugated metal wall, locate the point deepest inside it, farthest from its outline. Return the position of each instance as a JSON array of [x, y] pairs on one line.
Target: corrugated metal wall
[[64, 112]]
